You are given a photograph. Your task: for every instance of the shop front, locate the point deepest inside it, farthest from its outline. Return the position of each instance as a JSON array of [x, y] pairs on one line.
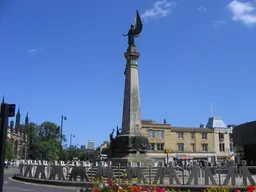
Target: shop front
[[179, 159]]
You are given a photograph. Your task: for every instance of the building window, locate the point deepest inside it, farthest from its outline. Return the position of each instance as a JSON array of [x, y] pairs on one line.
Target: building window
[[180, 135], [160, 146], [151, 133], [192, 135], [159, 134], [181, 147], [204, 135], [193, 147], [151, 146], [204, 147], [231, 147], [221, 136], [222, 147]]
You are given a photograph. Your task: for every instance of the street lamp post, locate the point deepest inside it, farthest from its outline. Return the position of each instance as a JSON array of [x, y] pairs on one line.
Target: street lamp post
[[25, 145], [71, 136], [167, 151], [61, 132], [70, 145]]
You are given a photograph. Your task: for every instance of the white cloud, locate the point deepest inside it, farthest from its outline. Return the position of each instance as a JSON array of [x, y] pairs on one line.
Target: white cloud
[[161, 9], [218, 23], [201, 9], [32, 50], [244, 12], [35, 50]]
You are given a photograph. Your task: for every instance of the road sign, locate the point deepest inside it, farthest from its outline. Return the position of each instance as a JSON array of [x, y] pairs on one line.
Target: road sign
[[167, 150]]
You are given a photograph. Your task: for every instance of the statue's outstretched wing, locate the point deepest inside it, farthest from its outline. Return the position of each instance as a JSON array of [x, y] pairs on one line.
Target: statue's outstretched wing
[[138, 24]]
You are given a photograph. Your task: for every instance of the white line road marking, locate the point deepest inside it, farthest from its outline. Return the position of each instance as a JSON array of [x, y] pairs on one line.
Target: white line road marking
[[17, 189], [5, 182]]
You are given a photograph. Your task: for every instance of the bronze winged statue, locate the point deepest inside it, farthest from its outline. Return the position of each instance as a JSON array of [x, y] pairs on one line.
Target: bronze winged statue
[[134, 30]]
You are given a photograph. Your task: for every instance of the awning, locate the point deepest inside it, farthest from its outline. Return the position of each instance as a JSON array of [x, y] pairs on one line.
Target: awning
[[184, 157]]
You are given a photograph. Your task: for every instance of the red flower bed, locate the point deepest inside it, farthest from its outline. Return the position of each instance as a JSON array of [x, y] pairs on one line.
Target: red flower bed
[[111, 186]]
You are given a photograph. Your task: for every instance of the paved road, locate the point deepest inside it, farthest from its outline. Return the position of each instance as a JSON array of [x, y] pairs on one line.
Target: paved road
[[17, 186]]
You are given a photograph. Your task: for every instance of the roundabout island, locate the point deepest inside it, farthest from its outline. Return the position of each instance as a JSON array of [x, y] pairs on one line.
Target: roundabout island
[[77, 175]]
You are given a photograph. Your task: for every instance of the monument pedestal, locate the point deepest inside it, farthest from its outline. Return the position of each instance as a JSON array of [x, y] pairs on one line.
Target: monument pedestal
[[130, 146]]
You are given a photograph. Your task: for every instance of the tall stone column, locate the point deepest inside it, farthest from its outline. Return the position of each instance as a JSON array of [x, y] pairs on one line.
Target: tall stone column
[[130, 145], [131, 123]]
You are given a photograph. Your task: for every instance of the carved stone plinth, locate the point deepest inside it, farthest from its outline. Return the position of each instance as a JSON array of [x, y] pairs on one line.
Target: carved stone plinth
[[127, 148], [130, 144]]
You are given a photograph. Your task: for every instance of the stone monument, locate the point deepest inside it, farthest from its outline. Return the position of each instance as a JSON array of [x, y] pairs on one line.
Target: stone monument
[[129, 145]]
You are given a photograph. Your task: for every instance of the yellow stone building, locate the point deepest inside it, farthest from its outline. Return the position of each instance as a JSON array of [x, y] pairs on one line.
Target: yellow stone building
[[16, 133], [184, 143]]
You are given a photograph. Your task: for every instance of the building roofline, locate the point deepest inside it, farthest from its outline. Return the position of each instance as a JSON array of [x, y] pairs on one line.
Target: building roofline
[[192, 129]]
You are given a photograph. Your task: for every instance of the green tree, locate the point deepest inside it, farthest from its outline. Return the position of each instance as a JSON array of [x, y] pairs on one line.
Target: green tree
[[73, 152], [32, 142], [44, 141], [64, 155], [9, 153], [49, 140], [88, 155]]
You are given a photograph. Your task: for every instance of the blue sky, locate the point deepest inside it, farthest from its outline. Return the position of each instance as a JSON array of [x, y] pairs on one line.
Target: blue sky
[[66, 57]]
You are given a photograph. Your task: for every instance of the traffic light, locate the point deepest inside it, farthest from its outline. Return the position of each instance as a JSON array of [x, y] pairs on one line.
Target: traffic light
[[11, 110]]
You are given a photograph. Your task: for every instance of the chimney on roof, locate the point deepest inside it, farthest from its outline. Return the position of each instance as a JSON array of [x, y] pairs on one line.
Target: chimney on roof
[[165, 121]]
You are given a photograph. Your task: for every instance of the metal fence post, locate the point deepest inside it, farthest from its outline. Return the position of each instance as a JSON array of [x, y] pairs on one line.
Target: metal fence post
[[149, 172], [119, 172], [183, 175], [91, 173], [219, 175]]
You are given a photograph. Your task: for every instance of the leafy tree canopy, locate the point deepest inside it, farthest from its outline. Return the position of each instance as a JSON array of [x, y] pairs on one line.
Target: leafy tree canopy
[[44, 143]]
